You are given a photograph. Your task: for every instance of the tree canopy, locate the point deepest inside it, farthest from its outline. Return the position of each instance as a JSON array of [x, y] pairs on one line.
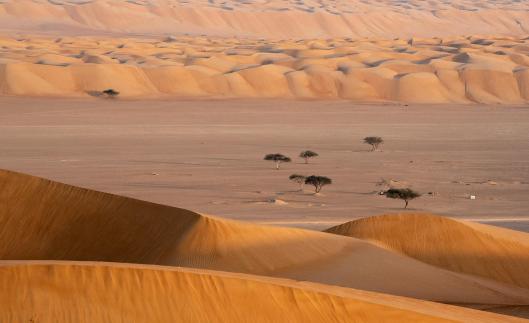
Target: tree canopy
[[318, 182], [278, 159], [307, 154], [297, 178], [405, 194], [111, 93], [374, 142]]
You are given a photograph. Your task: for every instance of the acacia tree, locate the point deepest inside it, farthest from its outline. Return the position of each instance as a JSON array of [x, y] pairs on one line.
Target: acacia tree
[[278, 159], [405, 194], [111, 93], [300, 179], [318, 182], [374, 142], [307, 154]]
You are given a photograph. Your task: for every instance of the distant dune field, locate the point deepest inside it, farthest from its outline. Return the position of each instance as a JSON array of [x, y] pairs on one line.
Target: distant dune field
[[431, 70], [271, 19], [454, 51], [46, 220]]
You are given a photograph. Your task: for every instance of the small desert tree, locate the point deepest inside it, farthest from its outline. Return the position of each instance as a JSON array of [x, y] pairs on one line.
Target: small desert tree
[[318, 182], [405, 194], [278, 159], [374, 142], [307, 154], [300, 179], [111, 93]]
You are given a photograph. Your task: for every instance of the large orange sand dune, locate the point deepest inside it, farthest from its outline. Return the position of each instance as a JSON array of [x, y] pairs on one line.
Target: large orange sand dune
[[87, 292], [459, 246], [45, 220]]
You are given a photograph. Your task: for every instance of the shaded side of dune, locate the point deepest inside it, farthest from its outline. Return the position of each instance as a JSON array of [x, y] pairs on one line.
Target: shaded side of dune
[[75, 292], [493, 253], [42, 219]]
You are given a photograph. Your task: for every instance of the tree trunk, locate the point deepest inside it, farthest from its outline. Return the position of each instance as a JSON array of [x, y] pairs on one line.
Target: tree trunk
[[277, 164], [306, 160], [318, 189], [301, 186], [406, 206]]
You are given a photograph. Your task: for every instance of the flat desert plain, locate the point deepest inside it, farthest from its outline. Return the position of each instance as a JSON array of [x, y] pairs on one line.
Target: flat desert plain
[[207, 155]]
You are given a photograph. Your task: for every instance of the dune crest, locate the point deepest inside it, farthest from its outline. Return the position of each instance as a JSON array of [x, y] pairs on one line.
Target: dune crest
[[102, 292], [85, 225], [494, 253]]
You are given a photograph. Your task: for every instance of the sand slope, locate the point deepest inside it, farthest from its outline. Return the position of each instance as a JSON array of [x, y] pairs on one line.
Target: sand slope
[[88, 292], [475, 69], [476, 249], [45, 220], [276, 18]]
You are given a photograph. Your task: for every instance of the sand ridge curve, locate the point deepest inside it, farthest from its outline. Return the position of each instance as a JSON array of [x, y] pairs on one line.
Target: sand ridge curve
[[47, 291], [46, 220], [460, 246]]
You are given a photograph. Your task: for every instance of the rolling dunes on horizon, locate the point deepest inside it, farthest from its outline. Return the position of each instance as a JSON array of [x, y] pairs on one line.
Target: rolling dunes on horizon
[[454, 51], [463, 70], [270, 19]]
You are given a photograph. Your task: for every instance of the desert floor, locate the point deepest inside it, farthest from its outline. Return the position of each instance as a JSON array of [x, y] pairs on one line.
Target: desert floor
[[207, 155]]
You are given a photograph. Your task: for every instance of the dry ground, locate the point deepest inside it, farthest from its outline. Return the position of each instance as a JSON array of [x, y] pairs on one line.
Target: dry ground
[[207, 155]]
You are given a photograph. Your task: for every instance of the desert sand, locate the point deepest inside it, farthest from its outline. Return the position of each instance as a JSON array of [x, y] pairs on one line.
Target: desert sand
[[454, 51], [133, 186], [104, 292], [207, 156], [438, 240], [69, 223], [455, 69], [270, 18]]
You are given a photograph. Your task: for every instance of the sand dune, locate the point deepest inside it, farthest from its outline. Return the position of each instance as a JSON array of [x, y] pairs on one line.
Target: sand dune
[[495, 253], [276, 18], [426, 70], [46, 220], [88, 292]]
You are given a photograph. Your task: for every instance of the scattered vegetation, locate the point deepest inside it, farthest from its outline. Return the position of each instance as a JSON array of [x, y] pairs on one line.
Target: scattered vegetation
[[278, 159], [300, 179], [307, 154], [318, 182], [111, 93], [405, 194], [374, 142]]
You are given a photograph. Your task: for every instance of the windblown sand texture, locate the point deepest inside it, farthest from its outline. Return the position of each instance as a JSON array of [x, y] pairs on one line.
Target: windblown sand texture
[[104, 292], [433, 70], [45, 220]]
